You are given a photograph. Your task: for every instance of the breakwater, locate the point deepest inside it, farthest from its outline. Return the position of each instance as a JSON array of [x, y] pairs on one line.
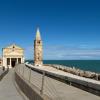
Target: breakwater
[[76, 71]]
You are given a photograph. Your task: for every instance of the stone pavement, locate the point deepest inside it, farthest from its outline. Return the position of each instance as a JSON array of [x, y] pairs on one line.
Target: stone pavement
[[8, 90], [1, 71]]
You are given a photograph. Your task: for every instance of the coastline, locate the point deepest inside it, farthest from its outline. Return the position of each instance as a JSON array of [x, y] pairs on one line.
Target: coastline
[[76, 71], [86, 65]]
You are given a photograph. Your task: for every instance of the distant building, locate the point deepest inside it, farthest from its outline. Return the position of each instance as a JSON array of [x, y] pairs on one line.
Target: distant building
[[12, 55], [38, 53]]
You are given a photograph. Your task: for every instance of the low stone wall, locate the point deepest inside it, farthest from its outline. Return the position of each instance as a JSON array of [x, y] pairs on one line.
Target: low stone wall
[[3, 74], [27, 88]]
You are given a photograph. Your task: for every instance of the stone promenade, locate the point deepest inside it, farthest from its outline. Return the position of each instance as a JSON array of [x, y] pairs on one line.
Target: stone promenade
[[1, 71], [8, 89]]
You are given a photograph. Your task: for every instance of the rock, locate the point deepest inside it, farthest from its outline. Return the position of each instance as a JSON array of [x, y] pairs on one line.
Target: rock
[[81, 73], [93, 75], [76, 72], [89, 74]]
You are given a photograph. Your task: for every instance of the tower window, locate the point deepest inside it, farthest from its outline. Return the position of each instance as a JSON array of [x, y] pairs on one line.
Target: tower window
[[13, 48], [38, 42]]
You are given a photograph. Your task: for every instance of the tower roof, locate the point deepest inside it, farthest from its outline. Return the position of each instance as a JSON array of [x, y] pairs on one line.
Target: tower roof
[[38, 37]]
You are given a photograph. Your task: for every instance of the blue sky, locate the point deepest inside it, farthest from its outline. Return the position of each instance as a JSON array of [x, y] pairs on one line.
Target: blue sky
[[70, 29]]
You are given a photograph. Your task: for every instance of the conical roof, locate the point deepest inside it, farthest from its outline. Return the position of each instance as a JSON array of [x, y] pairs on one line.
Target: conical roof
[[38, 37]]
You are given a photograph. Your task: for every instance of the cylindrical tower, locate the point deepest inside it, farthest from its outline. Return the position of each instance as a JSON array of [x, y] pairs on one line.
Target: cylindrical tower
[[38, 52]]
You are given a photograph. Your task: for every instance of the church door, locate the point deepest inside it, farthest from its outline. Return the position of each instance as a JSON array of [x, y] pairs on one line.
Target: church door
[[13, 62]]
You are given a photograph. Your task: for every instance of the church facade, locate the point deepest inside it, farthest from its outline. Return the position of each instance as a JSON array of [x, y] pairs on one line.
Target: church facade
[[38, 50], [12, 55]]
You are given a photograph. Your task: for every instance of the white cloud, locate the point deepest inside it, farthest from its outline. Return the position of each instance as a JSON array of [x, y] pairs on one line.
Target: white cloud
[[64, 52]]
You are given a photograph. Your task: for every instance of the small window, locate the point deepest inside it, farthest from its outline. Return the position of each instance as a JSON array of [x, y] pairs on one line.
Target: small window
[[13, 47], [19, 60], [8, 61], [38, 42]]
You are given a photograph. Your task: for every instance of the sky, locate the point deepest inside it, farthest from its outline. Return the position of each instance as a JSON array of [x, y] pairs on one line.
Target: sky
[[70, 29]]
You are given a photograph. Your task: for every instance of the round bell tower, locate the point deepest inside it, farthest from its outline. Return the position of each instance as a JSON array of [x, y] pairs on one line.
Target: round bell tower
[[38, 52]]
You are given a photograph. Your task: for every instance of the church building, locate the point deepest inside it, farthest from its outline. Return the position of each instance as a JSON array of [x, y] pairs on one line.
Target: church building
[[38, 52], [12, 55]]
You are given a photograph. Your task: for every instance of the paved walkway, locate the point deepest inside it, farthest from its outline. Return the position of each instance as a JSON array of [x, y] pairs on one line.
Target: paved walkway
[[1, 71], [8, 90]]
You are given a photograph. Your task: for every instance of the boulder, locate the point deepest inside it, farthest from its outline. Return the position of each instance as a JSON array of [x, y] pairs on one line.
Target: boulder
[[89, 74], [81, 73]]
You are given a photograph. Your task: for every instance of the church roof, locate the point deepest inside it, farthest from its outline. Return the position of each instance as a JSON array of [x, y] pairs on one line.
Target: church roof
[[13, 46], [38, 37]]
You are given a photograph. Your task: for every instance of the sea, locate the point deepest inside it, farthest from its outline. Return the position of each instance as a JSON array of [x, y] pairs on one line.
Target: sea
[[87, 65]]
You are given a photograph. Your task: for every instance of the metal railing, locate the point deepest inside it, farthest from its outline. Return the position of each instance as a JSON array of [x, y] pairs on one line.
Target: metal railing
[[47, 86]]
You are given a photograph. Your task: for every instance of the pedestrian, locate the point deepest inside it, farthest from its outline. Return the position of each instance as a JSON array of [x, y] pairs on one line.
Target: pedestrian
[[3, 68]]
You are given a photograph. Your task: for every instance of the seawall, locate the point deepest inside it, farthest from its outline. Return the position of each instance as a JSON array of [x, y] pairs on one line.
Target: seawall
[[86, 84]]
